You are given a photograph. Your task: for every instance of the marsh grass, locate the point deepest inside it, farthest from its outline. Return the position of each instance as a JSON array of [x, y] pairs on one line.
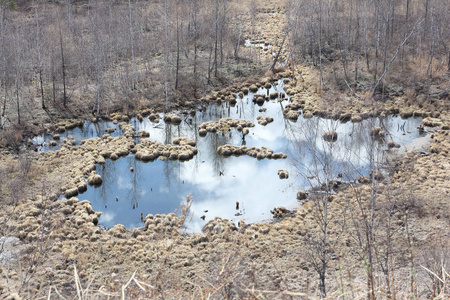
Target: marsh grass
[[135, 287]]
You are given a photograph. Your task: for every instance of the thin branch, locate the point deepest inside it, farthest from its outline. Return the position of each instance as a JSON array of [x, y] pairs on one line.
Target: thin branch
[[434, 274], [77, 282], [395, 56], [279, 51], [127, 284]]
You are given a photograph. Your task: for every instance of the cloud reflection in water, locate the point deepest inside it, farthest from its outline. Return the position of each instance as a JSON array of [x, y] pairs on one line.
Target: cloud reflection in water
[[160, 186]]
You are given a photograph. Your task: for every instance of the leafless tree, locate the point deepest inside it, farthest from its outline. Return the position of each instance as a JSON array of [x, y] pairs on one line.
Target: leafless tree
[[320, 171]]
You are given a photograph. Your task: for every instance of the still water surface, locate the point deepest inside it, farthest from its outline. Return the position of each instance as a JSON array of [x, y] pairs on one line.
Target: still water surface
[[160, 186]]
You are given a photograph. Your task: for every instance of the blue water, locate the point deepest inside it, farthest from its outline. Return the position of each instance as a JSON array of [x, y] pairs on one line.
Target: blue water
[[89, 130], [160, 186]]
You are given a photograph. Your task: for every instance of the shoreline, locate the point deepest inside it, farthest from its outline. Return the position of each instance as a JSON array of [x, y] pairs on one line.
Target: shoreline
[[420, 144]]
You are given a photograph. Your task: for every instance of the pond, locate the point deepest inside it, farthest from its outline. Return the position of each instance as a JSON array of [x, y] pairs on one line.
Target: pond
[[216, 183]]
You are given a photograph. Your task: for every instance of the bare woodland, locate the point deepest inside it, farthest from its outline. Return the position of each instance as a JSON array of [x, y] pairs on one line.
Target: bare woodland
[[117, 54], [54, 52]]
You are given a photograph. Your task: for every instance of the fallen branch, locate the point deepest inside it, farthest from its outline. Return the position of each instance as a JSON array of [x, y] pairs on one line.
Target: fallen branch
[[279, 50], [351, 90], [395, 56]]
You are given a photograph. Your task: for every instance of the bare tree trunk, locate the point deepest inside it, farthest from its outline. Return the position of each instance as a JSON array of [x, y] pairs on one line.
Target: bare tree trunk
[[209, 64], [238, 44], [222, 28], [53, 74], [221, 43], [194, 13], [63, 67], [42, 88], [430, 65], [392, 19], [178, 52], [357, 45], [366, 50], [313, 40], [69, 14], [320, 43], [54, 85], [38, 48], [17, 101], [3, 100], [323, 246], [133, 59], [388, 253], [350, 23], [166, 58], [99, 89], [216, 37], [407, 12], [370, 242], [195, 58], [2, 34], [124, 75], [5, 87], [426, 25], [377, 42]]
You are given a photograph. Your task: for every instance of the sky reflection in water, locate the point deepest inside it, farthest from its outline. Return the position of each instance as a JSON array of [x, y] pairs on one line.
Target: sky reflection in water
[[160, 186], [88, 130]]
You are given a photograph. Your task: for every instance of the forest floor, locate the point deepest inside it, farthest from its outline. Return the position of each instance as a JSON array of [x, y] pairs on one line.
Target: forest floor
[[57, 251]]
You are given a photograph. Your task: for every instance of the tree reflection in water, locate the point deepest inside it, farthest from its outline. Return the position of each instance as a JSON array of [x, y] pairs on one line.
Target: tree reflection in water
[[160, 186]]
